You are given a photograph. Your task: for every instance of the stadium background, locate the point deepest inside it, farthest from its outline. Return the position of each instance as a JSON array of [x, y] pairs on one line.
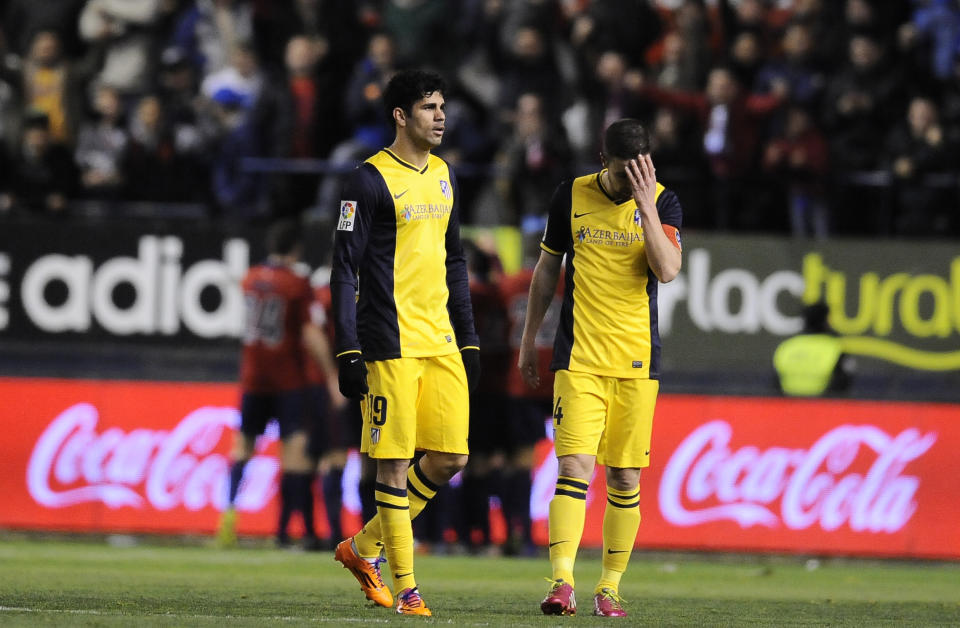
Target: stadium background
[[119, 307]]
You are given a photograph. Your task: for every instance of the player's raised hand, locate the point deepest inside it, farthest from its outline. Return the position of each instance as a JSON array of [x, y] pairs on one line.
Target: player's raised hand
[[529, 365], [643, 182]]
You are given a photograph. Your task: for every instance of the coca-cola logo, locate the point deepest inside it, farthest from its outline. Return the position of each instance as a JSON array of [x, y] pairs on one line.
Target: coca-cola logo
[[72, 463], [853, 475]]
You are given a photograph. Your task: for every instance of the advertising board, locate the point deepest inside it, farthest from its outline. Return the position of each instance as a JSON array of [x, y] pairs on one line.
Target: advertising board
[[726, 474]]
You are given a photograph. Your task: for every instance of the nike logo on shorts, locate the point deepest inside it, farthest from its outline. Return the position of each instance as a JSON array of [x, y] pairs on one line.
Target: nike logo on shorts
[[612, 551]]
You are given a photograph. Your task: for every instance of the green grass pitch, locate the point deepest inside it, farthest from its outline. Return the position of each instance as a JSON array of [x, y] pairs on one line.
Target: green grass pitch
[[84, 583]]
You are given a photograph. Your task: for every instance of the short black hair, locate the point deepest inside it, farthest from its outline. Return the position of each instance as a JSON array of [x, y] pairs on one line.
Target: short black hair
[[815, 317], [625, 139], [283, 237], [408, 87]]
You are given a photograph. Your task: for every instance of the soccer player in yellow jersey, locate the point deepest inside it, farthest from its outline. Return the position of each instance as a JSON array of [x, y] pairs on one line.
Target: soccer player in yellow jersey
[[620, 233], [405, 336]]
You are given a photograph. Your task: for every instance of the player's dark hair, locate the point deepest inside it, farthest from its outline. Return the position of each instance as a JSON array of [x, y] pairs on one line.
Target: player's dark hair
[[815, 318], [409, 86], [283, 237], [625, 139]]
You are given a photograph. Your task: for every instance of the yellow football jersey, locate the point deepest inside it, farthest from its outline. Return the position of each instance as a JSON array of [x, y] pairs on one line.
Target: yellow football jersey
[[608, 322], [398, 229]]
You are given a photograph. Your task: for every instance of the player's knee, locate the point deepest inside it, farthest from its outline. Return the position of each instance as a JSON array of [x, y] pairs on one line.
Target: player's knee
[[576, 466], [623, 479], [453, 463], [441, 466]]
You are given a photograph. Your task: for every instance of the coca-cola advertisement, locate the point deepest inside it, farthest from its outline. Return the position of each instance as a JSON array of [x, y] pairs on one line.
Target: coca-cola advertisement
[[128, 456], [728, 474], [818, 476]]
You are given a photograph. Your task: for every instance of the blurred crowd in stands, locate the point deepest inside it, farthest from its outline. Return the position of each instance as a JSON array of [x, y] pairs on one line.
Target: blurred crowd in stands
[[810, 117]]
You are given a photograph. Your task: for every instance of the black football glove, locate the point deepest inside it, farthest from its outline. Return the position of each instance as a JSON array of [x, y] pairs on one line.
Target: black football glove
[[471, 364], [353, 376]]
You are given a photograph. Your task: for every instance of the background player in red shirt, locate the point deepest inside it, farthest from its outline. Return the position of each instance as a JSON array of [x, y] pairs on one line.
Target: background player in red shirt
[[527, 408], [276, 338], [335, 422], [488, 427]]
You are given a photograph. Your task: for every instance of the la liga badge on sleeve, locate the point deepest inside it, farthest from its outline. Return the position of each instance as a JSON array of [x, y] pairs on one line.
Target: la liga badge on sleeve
[[348, 212]]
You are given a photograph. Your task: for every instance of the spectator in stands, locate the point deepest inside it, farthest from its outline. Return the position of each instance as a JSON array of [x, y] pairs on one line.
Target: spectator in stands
[[209, 30], [52, 85], [934, 32], [41, 176], [676, 146], [822, 20], [877, 19], [629, 27], [483, 57], [746, 57], [796, 68], [291, 115], [365, 115], [101, 145], [745, 16], [677, 68], [530, 67], [693, 23], [535, 158], [611, 97], [859, 100], [238, 194], [177, 84], [914, 149], [732, 122], [949, 101], [122, 32], [10, 98], [421, 30], [242, 75], [21, 20], [798, 157], [153, 169], [192, 132]]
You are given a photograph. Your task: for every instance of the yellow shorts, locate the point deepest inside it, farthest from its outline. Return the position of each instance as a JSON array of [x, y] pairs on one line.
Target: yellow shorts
[[606, 417], [416, 403]]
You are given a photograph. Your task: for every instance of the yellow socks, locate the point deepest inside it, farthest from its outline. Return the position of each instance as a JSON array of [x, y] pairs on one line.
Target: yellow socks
[[621, 520], [420, 490], [393, 508], [567, 511]]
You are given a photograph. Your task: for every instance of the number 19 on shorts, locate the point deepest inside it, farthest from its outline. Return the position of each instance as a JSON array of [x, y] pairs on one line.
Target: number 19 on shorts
[[378, 409]]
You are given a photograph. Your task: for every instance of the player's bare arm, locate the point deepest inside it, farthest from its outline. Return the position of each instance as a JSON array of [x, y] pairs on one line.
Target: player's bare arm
[[321, 352], [663, 256], [543, 286]]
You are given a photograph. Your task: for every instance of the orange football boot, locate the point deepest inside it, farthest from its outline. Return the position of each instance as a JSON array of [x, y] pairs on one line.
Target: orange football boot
[[367, 573]]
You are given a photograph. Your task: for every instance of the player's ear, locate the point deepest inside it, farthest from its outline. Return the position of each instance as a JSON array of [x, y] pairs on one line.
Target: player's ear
[[399, 116]]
